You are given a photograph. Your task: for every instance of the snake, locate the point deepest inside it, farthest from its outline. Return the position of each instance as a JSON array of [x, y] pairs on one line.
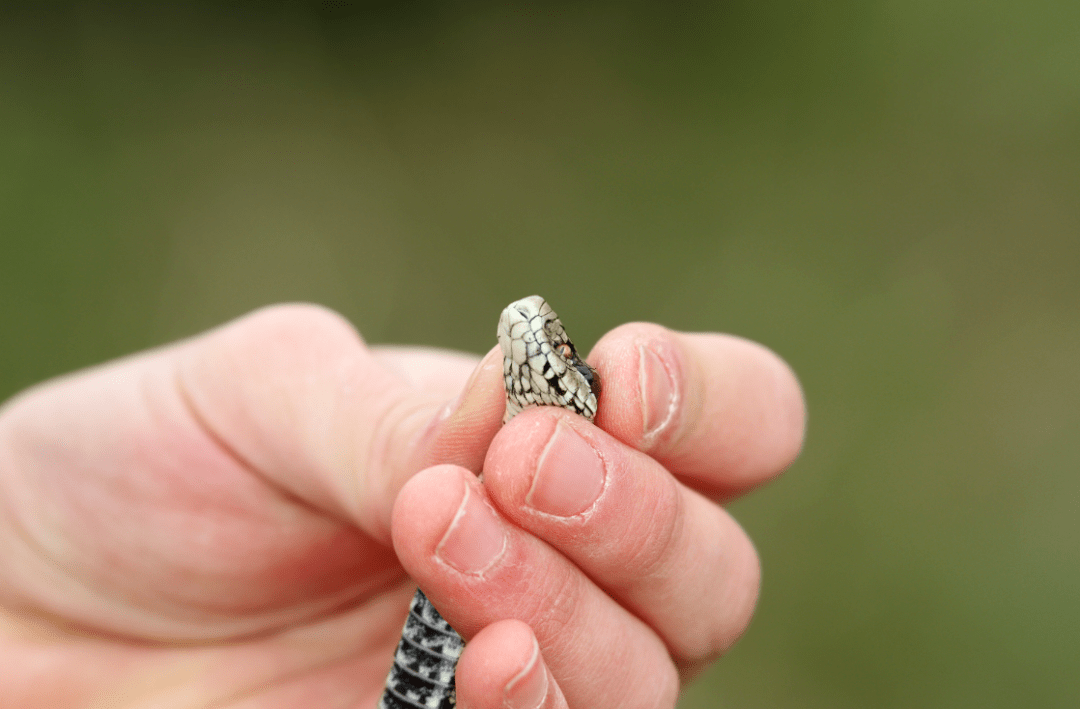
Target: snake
[[541, 367]]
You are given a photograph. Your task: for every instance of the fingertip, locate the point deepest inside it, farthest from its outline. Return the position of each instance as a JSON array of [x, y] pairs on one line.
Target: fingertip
[[760, 397], [503, 668], [739, 568], [721, 410], [426, 504], [464, 428], [791, 405]]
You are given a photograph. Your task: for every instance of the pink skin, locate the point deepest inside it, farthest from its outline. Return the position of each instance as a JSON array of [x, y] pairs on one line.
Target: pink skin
[[210, 523]]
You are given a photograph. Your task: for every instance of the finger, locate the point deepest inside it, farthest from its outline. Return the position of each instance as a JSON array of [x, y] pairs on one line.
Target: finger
[[670, 556], [215, 487], [119, 512], [478, 569], [721, 412], [295, 393], [502, 668], [337, 658], [431, 369]]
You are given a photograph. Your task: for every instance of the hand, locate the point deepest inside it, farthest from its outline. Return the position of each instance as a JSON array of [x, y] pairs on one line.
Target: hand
[[208, 524], [593, 567]]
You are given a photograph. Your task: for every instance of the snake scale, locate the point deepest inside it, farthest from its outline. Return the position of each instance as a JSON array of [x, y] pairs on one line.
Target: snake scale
[[541, 367]]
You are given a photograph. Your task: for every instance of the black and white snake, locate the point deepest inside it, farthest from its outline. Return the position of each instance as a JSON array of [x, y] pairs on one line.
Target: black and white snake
[[540, 368]]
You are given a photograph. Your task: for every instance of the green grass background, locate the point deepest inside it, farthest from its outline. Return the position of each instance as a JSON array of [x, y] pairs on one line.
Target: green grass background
[[886, 193]]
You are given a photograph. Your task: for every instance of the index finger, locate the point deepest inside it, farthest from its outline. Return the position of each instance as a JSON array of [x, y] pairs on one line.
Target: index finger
[[722, 413]]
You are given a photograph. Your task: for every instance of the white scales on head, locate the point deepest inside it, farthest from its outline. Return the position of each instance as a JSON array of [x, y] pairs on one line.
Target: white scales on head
[[540, 365]]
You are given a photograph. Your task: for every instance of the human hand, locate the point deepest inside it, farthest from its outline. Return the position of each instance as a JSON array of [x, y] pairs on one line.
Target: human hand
[[593, 567], [208, 524]]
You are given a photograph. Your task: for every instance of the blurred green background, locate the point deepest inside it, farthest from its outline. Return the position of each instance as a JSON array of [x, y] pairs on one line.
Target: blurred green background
[[886, 193]]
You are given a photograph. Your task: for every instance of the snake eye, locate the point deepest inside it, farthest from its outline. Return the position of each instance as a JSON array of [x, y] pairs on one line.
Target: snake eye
[[565, 351]]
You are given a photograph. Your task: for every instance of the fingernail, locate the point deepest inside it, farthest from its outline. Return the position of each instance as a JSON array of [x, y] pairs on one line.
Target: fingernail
[[528, 688], [569, 475], [475, 539], [658, 392]]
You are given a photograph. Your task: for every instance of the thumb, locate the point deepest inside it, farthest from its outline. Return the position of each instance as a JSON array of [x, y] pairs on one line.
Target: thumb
[[294, 392]]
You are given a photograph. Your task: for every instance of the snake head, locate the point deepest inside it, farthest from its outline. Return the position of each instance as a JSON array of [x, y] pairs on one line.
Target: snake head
[[541, 366]]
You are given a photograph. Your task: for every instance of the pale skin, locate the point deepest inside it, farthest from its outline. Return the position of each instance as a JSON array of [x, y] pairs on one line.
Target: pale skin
[[239, 520]]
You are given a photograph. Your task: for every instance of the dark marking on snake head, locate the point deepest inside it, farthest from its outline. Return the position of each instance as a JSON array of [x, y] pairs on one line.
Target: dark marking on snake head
[[592, 377], [567, 351]]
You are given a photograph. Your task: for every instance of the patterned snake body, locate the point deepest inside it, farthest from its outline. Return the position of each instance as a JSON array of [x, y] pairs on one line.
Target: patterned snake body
[[541, 367]]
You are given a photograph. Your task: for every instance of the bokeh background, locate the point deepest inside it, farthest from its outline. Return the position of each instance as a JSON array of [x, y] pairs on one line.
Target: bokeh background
[[886, 193]]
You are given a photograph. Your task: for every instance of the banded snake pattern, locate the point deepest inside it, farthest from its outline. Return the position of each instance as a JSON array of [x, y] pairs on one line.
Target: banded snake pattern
[[541, 367]]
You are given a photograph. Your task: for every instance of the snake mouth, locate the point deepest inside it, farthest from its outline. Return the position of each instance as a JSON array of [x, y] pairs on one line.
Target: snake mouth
[[592, 377], [568, 352]]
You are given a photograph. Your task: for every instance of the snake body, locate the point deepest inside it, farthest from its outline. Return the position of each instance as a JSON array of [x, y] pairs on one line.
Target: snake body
[[541, 367]]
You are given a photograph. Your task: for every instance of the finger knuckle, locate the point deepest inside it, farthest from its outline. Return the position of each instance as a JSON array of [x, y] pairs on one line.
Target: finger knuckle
[[310, 323]]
